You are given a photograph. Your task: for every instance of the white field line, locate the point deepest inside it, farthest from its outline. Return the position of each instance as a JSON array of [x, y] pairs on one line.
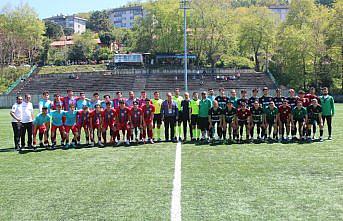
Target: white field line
[[175, 213]]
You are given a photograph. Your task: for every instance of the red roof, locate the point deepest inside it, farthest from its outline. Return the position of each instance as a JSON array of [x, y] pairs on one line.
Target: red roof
[[61, 43]]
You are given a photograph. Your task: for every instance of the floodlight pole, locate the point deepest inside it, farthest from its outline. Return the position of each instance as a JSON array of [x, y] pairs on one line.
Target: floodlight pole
[[184, 6]]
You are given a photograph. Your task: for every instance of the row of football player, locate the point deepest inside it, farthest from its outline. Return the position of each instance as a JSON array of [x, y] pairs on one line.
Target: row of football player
[[82, 100], [135, 120], [222, 100]]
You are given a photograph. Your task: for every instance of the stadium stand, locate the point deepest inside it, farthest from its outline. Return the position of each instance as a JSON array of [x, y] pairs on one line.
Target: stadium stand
[[132, 80]]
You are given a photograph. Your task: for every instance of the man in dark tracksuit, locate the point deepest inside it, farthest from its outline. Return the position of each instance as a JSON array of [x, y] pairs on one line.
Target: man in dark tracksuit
[[170, 114]]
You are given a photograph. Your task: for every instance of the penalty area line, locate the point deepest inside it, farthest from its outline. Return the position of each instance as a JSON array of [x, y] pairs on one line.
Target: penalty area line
[[175, 212]]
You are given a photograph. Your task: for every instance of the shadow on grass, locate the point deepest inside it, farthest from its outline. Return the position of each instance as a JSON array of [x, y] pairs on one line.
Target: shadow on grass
[[26, 151], [84, 147], [6, 150], [146, 146]]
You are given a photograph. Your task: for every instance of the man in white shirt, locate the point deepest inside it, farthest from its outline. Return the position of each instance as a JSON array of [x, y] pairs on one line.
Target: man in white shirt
[[16, 114], [27, 119]]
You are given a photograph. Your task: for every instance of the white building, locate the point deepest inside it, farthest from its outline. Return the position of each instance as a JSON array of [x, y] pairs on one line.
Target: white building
[[125, 17], [280, 10], [75, 23]]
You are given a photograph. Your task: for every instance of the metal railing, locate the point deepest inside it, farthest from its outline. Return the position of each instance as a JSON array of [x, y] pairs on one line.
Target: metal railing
[[20, 79]]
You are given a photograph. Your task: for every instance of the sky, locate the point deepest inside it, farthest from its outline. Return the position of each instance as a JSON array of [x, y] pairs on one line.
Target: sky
[[47, 8]]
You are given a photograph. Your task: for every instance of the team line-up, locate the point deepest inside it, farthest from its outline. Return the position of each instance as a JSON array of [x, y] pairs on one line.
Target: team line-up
[[138, 120]]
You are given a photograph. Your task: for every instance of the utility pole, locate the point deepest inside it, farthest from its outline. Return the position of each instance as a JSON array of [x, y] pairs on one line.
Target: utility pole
[[184, 5]]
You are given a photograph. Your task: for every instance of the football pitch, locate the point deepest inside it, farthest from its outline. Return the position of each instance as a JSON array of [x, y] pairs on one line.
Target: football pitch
[[223, 182]]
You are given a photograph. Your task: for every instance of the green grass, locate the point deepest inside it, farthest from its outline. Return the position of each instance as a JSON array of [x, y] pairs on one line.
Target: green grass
[[238, 182], [71, 69]]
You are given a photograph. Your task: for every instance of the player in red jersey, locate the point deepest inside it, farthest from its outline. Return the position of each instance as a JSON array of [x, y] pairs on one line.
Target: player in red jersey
[[96, 122], [312, 95], [69, 99], [122, 119], [285, 112], [57, 100], [83, 120], [243, 116], [119, 96], [306, 102], [148, 115], [136, 120], [143, 99], [108, 121]]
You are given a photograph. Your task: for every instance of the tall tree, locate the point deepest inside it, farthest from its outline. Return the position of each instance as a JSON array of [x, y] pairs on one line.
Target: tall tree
[[213, 30], [53, 30], [83, 47], [294, 56], [160, 29], [302, 48], [335, 41], [44, 53], [22, 33], [99, 21], [107, 38], [256, 32], [68, 31]]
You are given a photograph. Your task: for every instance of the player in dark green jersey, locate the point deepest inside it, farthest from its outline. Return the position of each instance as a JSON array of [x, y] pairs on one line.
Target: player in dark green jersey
[[205, 105], [222, 101], [328, 109], [271, 114], [285, 112], [222, 98], [264, 101], [243, 99], [299, 118], [257, 119], [253, 98], [233, 98], [230, 121], [215, 119], [314, 113]]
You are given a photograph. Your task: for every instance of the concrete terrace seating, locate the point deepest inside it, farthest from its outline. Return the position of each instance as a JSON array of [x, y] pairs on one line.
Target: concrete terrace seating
[[59, 83], [135, 80], [205, 81]]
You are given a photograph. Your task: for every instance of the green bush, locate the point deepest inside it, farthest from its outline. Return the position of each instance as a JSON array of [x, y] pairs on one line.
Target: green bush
[[102, 54], [235, 62], [71, 69]]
